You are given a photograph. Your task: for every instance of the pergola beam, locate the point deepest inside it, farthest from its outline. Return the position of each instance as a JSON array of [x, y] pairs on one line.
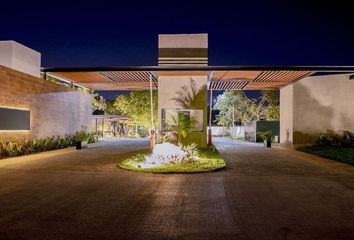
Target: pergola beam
[[200, 68]]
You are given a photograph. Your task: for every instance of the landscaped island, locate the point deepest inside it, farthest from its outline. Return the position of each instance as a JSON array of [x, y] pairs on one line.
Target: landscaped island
[[169, 158]]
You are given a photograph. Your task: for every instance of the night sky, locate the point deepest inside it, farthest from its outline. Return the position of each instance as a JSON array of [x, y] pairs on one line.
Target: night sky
[[83, 33]]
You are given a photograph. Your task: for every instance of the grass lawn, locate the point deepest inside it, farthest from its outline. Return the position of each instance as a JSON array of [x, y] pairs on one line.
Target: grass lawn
[[338, 153], [210, 160]]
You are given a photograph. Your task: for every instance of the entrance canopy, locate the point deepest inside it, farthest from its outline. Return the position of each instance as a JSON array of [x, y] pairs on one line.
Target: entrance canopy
[[219, 77]]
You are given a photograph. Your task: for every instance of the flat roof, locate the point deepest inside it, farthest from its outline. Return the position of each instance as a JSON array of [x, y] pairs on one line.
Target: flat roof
[[219, 77], [199, 68]]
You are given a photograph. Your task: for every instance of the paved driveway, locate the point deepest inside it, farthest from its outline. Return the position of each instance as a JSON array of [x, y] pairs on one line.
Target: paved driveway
[[263, 194]]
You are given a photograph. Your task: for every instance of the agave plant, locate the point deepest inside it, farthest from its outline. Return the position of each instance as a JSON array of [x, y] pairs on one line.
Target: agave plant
[[191, 150]]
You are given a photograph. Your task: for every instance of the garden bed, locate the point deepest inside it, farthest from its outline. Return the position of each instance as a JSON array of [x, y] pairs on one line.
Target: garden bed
[[20, 147], [338, 153], [209, 160]]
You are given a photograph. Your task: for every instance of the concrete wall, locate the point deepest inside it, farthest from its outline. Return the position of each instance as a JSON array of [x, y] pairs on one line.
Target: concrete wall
[[55, 110], [315, 104], [19, 57]]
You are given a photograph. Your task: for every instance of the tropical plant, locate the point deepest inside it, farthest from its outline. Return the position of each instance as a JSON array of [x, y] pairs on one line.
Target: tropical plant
[[182, 125], [266, 135], [348, 139], [327, 139], [11, 148], [92, 137], [82, 135], [98, 102], [162, 138]]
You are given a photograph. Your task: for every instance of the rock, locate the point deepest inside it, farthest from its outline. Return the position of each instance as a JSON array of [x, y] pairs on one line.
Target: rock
[[163, 154]]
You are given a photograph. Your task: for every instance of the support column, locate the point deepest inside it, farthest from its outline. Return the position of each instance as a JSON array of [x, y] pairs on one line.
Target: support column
[[210, 132], [152, 130], [286, 115]]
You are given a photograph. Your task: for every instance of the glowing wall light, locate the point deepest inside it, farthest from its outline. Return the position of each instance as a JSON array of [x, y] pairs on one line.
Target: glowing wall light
[[15, 119]]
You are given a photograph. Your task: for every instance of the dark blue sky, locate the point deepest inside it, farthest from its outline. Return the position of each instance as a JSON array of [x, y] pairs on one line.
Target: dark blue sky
[[83, 33]]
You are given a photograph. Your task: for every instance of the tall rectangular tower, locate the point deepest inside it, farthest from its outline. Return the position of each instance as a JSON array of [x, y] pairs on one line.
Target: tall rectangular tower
[[183, 92]]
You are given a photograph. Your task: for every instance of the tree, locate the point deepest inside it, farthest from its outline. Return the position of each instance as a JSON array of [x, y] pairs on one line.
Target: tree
[[98, 102], [111, 109], [136, 105], [235, 106], [272, 104]]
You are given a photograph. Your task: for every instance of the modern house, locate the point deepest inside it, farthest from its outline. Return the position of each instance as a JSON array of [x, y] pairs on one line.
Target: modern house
[[312, 98]]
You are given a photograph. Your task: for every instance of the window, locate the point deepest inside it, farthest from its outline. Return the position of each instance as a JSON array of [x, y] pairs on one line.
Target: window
[[169, 117]]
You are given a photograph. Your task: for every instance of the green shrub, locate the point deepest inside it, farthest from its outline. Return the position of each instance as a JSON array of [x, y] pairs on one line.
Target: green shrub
[[37, 145], [80, 136], [348, 139], [2, 149], [92, 137], [338, 153], [13, 148], [265, 135], [27, 145], [328, 138], [64, 142]]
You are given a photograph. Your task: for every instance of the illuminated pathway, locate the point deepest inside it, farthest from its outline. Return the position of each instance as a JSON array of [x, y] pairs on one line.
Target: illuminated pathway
[[263, 194]]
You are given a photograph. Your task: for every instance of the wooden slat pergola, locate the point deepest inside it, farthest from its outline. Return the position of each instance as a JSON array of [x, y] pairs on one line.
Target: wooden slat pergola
[[220, 77]]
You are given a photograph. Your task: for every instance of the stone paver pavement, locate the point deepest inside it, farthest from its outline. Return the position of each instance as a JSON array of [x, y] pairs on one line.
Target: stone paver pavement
[[262, 194]]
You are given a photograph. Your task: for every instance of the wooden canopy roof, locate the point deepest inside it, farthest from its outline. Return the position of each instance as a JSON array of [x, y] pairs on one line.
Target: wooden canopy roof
[[220, 77], [254, 80], [112, 80]]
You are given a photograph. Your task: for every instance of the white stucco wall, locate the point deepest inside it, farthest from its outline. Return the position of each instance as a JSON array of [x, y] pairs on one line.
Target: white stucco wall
[[319, 103], [19, 57], [286, 114], [169, 86]]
